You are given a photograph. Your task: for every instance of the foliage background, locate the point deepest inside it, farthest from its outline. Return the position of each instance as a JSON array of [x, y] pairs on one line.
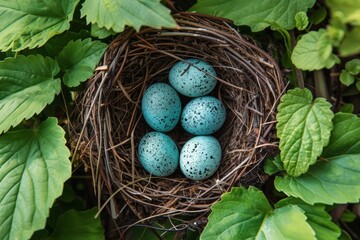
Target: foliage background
[[50, 47]]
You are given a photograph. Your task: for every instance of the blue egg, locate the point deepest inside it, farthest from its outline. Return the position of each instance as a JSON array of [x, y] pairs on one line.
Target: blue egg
[[158, 154], [161, 107], [203, 115], [193, 77], [200, 157]]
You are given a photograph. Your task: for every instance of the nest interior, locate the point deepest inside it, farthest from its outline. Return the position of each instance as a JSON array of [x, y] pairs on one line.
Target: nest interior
[[108, 123]]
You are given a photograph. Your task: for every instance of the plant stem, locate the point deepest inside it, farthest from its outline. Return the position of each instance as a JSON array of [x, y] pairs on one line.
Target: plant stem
[[320, 84], [298, 72]]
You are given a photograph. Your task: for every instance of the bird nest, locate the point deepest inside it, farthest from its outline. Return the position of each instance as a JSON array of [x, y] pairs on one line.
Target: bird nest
[[108, 123]]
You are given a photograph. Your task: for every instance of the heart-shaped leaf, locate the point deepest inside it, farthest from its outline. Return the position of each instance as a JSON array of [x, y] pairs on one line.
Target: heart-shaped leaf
[[246, 214], [257, 14], [304, 128], [314, 51], [319, 220], [30, 23], [345, 136], [334, 180], [27, 85], [115, 15], [78, 60], [99, 32], [34, 164]]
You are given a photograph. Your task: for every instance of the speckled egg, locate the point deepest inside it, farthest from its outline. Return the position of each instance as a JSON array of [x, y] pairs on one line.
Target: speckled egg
[[203, 115], [161, 107], [200, 157], [158, 154], [192, 77]]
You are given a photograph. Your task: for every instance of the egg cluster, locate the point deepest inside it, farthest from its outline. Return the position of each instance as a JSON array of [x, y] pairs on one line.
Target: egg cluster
[[203, 115]]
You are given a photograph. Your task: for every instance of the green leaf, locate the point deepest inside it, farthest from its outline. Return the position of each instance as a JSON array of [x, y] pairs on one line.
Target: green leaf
[[335, 34], [336, 30], [257, 14], [280, 225], [357, 84], [314, 51], [353, 66], [273, 166], [345, 236], [246, 214], [68, 200], [29, 24], [164, 228], [347, 10], [325, 47], [348, 216], [115, 15], [350, 45], [34, 164], [346, 108], [345, 136], [318, 15], [301, 21], [346, 78], [335, 180], [99, 32], [78, 60], [42, 234], [78, 225], [56, 44], [319, 220], [27, 85], [304, 129]]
